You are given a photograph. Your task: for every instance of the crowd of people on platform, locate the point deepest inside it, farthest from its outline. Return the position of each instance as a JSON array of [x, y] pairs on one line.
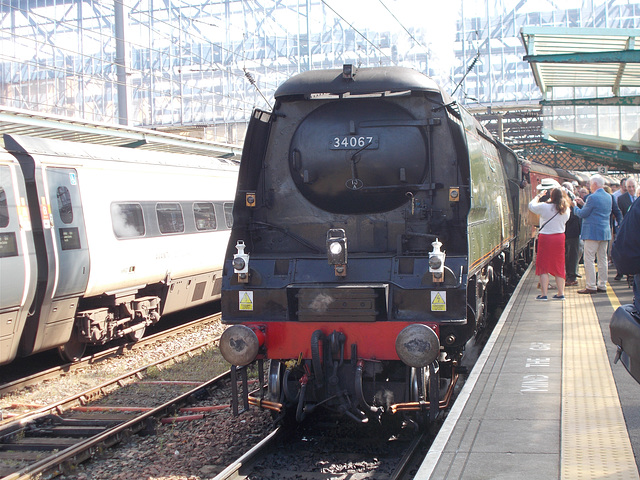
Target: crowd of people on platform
[[579, 222]]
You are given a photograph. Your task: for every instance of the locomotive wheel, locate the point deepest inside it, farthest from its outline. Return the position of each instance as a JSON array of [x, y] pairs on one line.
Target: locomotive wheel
[[275, 393], [434, 391], [73, 350], [425, 386], [274, 384], [136, 335], [419, 385]]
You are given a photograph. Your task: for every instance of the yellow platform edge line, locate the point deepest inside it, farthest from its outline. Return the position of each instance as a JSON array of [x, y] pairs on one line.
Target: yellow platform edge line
[[594, 440]]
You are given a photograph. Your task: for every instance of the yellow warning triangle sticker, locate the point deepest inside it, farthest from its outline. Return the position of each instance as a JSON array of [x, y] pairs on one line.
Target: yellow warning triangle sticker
[[438, 299], [246, 301]]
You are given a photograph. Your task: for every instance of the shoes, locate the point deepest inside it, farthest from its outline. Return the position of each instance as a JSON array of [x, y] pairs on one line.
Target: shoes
[[588, 291], [618, 277], [571, 283], [559, 297], [542, 297], [549, 287], [604, 290]]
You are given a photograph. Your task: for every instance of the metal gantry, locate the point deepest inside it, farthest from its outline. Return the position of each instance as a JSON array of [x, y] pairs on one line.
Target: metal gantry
[[203, 65]]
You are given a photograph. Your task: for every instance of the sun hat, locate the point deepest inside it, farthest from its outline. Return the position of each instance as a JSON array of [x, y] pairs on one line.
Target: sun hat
[[548, 184]]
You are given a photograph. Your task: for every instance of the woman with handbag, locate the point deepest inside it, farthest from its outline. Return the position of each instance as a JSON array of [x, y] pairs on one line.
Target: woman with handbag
[[554, 214]]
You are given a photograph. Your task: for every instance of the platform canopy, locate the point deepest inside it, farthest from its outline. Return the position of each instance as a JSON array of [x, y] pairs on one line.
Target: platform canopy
[[583, 57], [590, 81], [23, 122]]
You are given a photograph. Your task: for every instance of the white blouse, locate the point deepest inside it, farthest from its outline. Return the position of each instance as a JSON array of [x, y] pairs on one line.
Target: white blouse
[[547, 211]]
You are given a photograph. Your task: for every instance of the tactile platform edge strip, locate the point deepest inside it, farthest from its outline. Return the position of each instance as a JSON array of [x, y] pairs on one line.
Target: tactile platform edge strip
[[594, 439]]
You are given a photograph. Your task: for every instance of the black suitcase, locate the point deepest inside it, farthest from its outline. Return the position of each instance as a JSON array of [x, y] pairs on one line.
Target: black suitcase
[[625, 333]]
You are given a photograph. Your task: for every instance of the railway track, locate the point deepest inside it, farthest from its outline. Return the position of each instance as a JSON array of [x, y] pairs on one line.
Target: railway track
[[56, 372], [323, 453], [49, 440], [336, 452]]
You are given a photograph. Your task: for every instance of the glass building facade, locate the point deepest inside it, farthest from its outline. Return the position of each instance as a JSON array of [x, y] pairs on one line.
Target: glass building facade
[[205, 65]]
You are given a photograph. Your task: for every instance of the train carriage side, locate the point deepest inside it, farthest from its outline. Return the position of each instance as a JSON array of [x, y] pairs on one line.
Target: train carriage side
[[62, 255], [17, 257], [124, 236]]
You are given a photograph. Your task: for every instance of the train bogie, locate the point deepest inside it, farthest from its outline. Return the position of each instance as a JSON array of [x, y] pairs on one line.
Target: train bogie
[[121, 238]]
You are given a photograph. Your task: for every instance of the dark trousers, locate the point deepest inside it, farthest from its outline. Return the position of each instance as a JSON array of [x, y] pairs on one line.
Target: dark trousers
[[571, 257]]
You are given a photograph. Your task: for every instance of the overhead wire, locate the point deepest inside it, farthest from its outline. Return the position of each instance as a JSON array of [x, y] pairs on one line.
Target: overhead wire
[[404, 28], [358, 31]]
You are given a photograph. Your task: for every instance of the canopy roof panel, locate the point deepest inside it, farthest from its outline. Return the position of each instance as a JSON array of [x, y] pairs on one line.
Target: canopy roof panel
[[23, 122], [583, 57]]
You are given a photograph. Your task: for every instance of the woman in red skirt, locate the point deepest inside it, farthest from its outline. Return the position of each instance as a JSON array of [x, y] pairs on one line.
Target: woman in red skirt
[[554, 213]]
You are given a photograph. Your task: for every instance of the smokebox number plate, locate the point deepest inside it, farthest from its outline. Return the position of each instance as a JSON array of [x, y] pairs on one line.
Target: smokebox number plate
[[353, 142]]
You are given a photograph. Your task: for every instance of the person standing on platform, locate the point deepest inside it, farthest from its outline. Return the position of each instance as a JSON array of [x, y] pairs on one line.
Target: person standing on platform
[[624, 203], [596, 233], [554, 214], [626, 199], [621, 189], [626, 250], [571, 242], [614, 220], [583, 192]]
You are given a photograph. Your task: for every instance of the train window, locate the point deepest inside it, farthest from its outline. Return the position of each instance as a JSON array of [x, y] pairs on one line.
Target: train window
[[205, 216], [4, 209], [228, 214], [64, 205], [170, 219], [127, 220]]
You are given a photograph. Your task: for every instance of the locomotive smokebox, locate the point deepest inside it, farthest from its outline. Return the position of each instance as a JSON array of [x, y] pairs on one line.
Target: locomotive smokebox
[[239, 345], [417, 345]]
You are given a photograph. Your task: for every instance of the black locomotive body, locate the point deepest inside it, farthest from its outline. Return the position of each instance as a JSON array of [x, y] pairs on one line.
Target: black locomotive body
[[375, 221]]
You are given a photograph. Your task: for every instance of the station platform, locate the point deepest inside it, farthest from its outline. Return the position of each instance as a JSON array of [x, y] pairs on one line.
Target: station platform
[[544, 400]]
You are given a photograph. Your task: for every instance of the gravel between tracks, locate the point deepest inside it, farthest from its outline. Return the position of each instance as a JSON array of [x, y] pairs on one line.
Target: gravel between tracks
[[195, 450], [192, 450]]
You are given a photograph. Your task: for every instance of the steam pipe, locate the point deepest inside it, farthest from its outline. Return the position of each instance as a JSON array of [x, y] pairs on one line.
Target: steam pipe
[[359, 392], [300, 410], [315, 357]]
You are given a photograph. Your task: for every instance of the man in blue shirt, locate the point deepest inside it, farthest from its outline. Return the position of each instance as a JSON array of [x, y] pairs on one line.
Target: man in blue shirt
[[596, 233]]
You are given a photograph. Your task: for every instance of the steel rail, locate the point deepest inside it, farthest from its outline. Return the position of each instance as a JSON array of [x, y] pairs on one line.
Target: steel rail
[[85, 396], [233, 470], [405, 462], [51, 466], [55, 372]]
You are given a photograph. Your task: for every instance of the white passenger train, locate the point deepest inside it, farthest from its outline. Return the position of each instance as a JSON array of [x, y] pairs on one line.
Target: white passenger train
[[98, 242]]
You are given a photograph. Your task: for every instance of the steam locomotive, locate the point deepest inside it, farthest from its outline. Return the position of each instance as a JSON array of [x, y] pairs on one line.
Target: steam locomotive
[[376, 222]]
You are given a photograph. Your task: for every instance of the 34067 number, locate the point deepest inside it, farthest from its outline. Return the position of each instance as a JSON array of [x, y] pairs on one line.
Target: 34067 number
[[351, 142]]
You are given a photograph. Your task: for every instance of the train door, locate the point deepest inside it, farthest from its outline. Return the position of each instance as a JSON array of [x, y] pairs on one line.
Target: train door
[[61, 245], [70, 239], [17, 261], [67, 252]]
